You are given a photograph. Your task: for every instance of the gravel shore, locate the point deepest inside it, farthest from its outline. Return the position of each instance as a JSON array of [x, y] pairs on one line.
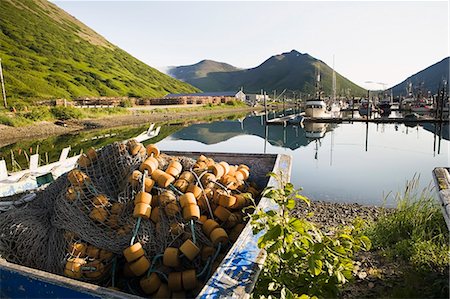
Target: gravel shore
[[331, 214]]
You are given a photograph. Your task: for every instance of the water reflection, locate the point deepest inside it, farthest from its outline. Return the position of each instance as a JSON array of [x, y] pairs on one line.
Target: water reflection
[[358, 162], [347, 162]]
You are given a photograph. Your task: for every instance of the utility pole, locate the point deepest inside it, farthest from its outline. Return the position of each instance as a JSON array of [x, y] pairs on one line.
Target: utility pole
[[3, 85]]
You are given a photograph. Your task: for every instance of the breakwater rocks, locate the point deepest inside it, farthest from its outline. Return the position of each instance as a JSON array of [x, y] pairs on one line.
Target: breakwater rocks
[[332, 214]]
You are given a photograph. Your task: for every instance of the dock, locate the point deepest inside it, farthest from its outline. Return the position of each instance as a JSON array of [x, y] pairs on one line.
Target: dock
[[378, 120], [289, 120]]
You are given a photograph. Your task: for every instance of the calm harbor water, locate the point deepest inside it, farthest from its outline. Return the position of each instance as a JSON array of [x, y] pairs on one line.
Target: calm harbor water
[[343, 163], [350, 163]]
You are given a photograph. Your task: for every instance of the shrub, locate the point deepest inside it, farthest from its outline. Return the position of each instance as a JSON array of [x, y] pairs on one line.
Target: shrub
[[38, 114], [125, 103], [301, 259], [65, 113]]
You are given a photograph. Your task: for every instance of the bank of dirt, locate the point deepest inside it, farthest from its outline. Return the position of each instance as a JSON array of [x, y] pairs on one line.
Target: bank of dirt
[[10, 135]]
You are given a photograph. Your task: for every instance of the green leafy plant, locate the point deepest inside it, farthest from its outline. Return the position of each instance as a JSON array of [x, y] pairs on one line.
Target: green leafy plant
[[302, 261]]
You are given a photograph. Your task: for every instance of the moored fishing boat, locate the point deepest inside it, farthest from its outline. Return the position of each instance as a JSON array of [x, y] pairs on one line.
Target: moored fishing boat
[[365, 107], [238, 267]]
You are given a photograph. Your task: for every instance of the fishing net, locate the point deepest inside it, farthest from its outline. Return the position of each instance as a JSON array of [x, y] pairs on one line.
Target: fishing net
[[114, 212]]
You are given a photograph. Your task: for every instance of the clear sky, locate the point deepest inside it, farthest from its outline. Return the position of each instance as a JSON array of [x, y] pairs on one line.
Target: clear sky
[[372, 41]]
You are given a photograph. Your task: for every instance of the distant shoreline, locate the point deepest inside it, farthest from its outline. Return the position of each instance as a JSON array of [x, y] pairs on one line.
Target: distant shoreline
[[9, 135]]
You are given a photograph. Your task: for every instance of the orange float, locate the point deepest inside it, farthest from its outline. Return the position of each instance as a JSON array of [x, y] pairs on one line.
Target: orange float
[[181, 185], [73, 193], [189, 249], [162, 178], [226, 200], [148, 184], [174, 281], [92, 154], [143, 197], [187, 199], [218, 235], [171, 258], [174, 168], [217, 170], [196, 190], [152, 150], [135, 178], [77, 177], [116, 208], [154, 216], [225, 166], [83, 161], [73, 267], [142, 210], [92, 251], [191, 211], [97, 273], [187, 176], [189, 278], [140, 266], [133, 252], [222, 213], [207, 251], [150, 284], [100, 201], [99, 214], [78, 249], [209, 226], [150, 164]]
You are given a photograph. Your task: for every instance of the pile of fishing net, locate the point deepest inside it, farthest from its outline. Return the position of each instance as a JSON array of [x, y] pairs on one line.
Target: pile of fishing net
[[132, 218]]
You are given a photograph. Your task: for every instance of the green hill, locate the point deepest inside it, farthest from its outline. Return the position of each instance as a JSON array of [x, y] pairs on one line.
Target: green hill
[[428, 79], [292, 71], [47, 53]]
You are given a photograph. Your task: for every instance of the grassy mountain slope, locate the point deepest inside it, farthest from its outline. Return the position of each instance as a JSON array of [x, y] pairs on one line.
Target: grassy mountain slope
[[47, 53], [292, 70], [201, 70], [431, 78]]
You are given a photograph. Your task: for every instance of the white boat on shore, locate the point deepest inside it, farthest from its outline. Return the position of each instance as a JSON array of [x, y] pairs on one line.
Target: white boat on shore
[[36, 176]]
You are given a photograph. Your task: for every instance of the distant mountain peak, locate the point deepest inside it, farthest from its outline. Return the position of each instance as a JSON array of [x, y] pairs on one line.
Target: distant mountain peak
[[289, 70], [428, 79]]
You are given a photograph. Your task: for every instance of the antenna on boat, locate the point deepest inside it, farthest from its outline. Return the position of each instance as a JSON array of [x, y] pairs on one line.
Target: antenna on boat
[[3, 85], [334, 83]]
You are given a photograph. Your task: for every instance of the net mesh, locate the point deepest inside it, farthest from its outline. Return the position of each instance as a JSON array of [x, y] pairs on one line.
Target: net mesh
[[82, 223]]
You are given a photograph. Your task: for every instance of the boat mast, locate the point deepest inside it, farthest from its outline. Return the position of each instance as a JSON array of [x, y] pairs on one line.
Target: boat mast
[[318, 81], [3, 85], [334, 83]]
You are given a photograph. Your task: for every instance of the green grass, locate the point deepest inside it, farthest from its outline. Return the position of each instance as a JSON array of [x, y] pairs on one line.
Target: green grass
[[36, 114], [47, 54], [416, 234]]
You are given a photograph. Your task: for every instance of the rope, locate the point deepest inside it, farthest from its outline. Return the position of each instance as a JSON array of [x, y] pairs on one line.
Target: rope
[[193, 231], [153, 263], [135, 231], [204, 193], [160, 273], [204, 268], [175, 189]]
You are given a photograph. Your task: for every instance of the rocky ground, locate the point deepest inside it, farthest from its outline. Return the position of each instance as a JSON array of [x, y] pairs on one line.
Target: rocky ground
[[376, 276]]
